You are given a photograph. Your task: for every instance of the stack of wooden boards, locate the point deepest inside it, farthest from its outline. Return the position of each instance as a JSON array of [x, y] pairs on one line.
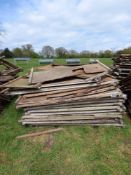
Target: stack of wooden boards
[[126, 88], [69, 95], [122, 66], [122, 70], [8, 72]]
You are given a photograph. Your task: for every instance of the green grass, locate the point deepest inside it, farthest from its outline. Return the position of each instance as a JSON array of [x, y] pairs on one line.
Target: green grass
[[35, 63], [78, 150]]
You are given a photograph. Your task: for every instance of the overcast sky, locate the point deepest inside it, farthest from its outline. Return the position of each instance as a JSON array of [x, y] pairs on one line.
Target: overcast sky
[[74, 24]]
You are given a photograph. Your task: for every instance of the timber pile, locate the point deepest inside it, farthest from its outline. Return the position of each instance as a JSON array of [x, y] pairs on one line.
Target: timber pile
[[122, 66], [8, 72], [69, 95], [122, 70], [126, 88]]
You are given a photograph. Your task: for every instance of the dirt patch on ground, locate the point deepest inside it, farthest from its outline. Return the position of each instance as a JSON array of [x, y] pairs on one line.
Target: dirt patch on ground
[[3, 158], [48, 143]]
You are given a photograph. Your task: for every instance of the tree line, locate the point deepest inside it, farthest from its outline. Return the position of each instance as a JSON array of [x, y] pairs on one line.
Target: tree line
[[49, 52]]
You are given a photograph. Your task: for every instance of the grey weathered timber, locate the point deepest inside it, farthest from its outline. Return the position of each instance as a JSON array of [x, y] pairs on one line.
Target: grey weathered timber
[[122, 70], [70, 95], [7, 73]]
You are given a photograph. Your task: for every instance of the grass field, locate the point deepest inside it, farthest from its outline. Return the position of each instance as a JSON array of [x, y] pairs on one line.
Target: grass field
[[78, 150]]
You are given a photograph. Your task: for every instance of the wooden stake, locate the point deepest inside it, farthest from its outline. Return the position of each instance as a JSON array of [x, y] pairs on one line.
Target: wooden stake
[[39, 133]]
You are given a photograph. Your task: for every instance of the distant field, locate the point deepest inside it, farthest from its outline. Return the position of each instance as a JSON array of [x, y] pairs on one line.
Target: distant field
[[78, 150], [34, 62]]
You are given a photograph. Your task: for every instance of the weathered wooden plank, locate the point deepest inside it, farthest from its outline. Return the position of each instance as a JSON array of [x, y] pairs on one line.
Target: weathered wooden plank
[[78, 109], [104, 121], [77, 112], [39, 133], [97, 102], [113, 94], [76, 106], [73, 117]]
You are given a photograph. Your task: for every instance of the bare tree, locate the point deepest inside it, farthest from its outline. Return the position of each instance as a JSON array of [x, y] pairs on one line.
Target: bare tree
[[27, 50], [48, 52], [85, 53], [61, 52], [73, 53]]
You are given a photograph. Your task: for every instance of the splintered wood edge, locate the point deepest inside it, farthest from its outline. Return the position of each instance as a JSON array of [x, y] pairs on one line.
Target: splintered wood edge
[[31, 75], [103, 65]]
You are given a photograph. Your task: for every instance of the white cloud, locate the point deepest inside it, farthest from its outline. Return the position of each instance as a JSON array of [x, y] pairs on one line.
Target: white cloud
[[75, 24]]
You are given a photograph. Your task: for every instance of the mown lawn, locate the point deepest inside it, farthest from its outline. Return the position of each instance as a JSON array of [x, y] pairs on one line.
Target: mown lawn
[[78, 150]]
